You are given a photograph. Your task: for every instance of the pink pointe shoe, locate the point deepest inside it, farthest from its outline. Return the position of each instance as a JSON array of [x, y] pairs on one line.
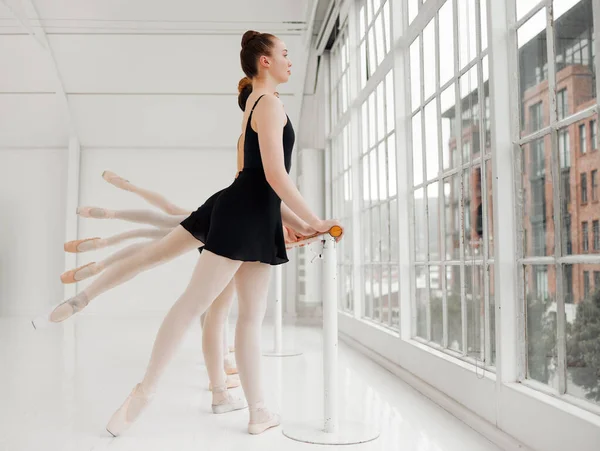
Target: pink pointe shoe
[[225, 402], [129, 411], [88, 245], [116, 180], [262, 419], [69, 276], [62, 311], [95, 212], [230, 381]]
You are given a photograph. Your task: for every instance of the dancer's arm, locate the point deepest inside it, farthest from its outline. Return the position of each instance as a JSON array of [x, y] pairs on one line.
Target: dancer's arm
[[290, 219], [240, 157], [270, 122]]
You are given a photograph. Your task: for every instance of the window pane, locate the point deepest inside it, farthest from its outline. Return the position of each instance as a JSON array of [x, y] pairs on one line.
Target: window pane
[[365, 182], [363, 64], [434, 220], [540, 292], [368, 292], [421, 300], [486, 125], [432, 162], [380, 112], [583, 353], [574, 39], [385, 232], [372, 121], [376, 230], [390, 106], [392, 178], [373, 176], [450, 154], [364, 129], [470, 115], [385, 293], [483, 18], [420, 224], [473, 222], [435, 301], [365, 222], [466, 31], [361, 22], [492, 313], [453, 284], [387, 27], [380, 40], [376, 271], [490, 208], [474, 294], [446, 42], [533, 69], [415, 74], [452, 216], [383, 172], [429, 58], [394, 238], [417, 150], [524, 6], [372, 52], [413, 9], [394, 298], [536, 198]]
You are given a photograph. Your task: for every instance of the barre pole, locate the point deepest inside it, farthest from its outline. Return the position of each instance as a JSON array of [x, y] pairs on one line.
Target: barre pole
[[331, 430]]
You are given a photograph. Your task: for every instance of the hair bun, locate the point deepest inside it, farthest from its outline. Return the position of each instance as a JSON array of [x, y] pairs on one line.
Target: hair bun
[[248, 36], [243, 84]]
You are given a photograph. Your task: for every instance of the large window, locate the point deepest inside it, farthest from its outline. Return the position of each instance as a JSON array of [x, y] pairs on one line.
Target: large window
[[379, 205], [340, 75], [452, 182], [374, 32], [557, 348]]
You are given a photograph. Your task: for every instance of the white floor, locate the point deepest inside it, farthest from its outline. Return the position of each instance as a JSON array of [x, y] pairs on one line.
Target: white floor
[[57, 394]]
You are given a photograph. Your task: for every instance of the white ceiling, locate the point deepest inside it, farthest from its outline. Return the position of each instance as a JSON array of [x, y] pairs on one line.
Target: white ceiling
[[136, 72]]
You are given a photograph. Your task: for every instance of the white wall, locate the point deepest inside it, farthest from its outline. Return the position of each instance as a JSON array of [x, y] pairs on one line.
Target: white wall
[[32, 227]]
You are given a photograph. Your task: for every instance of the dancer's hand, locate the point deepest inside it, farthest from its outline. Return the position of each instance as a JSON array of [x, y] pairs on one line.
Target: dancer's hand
[[305, 230], [325, 225], [290, 236]]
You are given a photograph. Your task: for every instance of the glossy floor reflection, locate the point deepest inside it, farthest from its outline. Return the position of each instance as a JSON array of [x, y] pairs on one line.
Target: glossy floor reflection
[[58, 394]]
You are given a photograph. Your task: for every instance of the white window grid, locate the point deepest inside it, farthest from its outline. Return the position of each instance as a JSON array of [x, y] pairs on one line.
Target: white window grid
[[340, 76], [560, 116], [379, 205], [374, 31], [468, 80], [342, 194]]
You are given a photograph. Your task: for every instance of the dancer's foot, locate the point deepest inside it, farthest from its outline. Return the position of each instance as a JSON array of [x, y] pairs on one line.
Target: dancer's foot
[[224, 402], [62, 311], [84, 245], [230, 365], [231, 381], [116, 180], [262, 419], [95, 212], [129, 411], [81, 273]]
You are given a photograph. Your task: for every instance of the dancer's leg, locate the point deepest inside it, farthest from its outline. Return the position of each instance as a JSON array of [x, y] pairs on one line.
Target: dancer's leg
[[252, 284], [211, 275], [153, 198], [89, 270], [139, 216], [91, 244], [175, 243]]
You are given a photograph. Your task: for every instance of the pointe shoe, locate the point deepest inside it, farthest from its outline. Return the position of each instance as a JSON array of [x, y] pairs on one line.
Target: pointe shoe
[[116, 180], [231, 368], [129, 411], [266, 420], [95, 212], [69, 276], [228, 403], [62, 311], [231, 381], [73, 246]]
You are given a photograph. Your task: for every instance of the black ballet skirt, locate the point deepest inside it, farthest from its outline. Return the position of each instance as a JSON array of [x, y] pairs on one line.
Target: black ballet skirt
[[243, 221]]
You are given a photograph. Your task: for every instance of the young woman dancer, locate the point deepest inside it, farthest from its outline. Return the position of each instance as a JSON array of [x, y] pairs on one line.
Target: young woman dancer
[[242, 235]]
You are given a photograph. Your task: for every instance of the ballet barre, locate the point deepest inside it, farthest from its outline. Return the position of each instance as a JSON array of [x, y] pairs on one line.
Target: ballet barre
[[330, 430], [278, 349]]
